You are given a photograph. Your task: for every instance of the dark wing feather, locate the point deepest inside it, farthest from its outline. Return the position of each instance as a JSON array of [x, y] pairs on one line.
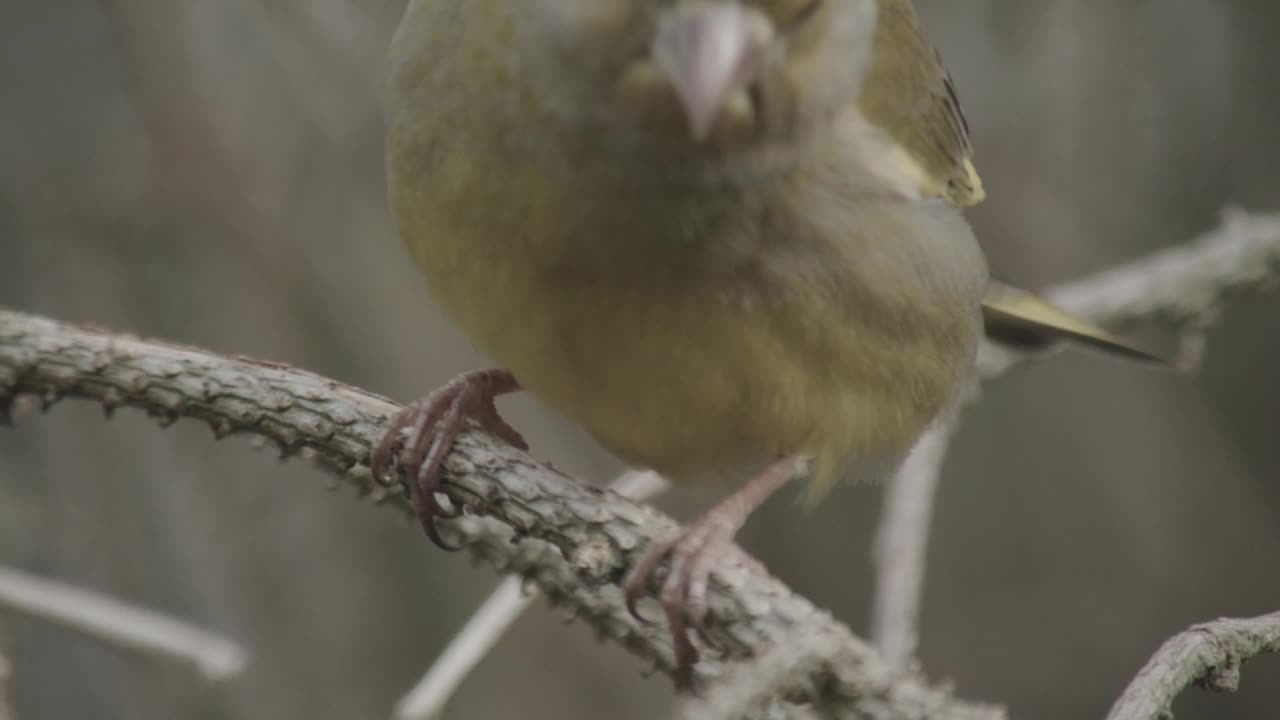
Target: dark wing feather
[[909, 94]]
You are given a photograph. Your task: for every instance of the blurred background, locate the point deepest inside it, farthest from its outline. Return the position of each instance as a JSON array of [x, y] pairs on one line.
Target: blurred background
[[212, 173]]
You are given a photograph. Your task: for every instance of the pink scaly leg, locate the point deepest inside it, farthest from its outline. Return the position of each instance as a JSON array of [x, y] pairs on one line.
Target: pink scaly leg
[[694, 551], [436, 421]]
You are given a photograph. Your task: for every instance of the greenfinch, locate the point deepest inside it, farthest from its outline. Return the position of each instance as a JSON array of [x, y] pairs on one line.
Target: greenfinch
[[724, 236]]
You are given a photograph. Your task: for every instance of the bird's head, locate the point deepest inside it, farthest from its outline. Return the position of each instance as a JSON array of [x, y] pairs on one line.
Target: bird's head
[[694, 74]]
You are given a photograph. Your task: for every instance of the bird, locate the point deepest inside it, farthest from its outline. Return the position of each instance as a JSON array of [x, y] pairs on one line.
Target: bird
[[726, 237]]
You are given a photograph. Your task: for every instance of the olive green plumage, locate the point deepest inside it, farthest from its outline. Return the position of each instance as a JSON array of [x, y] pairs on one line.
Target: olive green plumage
[[798, 281], [911, 96]]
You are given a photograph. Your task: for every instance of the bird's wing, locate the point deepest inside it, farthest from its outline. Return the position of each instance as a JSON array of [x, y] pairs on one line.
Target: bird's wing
[[908, 94]]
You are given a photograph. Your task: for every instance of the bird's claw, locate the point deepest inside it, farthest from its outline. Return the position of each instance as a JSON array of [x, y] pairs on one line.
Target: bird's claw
[[434, 422], [683, 595]]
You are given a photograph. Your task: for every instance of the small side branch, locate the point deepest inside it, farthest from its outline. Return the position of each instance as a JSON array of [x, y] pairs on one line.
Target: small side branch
[[473, 642], [6, 675], [1208, 656], [901, 546], [427, 699], [215, 657], [1182, 286]]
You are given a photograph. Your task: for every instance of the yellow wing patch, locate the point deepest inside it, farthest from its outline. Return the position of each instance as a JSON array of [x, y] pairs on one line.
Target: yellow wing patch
[[909, 95]]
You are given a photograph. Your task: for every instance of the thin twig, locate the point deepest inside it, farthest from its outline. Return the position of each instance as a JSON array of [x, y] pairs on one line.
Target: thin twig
[[500, 610], [428, 698], [6, 676], [215, 657], [902, 540], [1208, 656], [1180, 286]]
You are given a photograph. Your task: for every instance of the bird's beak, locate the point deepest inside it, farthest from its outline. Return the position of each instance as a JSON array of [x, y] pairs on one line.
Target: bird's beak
[[710, 51]]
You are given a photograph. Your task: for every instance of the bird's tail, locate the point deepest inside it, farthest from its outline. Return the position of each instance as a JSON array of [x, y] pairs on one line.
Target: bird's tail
[[1024, 321]]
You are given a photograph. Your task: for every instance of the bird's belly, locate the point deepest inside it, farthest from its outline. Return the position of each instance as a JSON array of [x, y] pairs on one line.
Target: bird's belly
[[702, 389], [776, 329]]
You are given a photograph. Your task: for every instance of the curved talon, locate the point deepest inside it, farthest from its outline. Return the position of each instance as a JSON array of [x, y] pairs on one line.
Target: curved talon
[[697, 577], [428, 477], [380, 460], [635, 612], [690, 552], [634, 585], [429, 526], [434, 423], [428, 510], [693, 552], [675, 599], [494, 423]]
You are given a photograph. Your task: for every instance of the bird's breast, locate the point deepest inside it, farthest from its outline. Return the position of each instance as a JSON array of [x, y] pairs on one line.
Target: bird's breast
[[700, 333]]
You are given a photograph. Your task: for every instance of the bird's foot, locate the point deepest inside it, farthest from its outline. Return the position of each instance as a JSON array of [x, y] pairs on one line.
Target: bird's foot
[[434, 422], [694, 551]]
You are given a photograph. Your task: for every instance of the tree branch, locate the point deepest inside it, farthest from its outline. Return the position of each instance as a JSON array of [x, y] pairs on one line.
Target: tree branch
[[1183, 286], [901, 544], [576, 541], [6, 674], [215, 657], [427, 699], [1207, 656]]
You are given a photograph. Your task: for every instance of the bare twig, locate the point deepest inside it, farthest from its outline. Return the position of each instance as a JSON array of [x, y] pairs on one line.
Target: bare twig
[[500, 610], [1207, 656], [6, 675], [902, 540], [574, 541], [472, 643], [214, 656], [1183, 286]]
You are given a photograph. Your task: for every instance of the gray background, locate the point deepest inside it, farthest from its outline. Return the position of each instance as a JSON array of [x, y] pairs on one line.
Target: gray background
[[211, 172]]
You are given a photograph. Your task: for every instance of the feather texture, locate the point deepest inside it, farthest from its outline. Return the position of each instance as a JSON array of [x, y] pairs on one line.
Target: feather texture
[[909, 95]]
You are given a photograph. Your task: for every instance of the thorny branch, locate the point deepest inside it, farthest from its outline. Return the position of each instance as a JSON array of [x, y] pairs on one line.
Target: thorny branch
[[575, 540], [491, 620]]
